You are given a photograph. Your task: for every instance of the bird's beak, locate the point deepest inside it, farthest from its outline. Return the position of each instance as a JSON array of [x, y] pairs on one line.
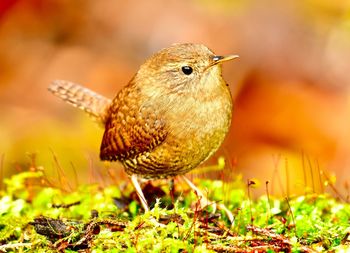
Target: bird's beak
[[220, 59], [216, 59]]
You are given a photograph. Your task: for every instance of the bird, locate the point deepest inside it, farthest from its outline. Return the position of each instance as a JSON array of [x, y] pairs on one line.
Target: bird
[[170, 117]]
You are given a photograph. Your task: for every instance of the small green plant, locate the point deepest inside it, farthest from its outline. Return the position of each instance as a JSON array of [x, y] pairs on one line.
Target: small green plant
[[37, 218]]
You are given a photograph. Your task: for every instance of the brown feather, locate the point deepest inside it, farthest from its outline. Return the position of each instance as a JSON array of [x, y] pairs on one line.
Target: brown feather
[[128, 132], [85, 99]]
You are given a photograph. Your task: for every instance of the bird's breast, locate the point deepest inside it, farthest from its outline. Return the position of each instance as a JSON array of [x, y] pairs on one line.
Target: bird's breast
[[197, 127]]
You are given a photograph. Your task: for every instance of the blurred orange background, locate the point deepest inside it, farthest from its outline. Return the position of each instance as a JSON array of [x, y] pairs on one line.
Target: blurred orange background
[[290, 86]]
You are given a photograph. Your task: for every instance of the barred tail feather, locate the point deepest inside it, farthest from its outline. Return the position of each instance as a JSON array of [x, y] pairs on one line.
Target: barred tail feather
[[78, 96]]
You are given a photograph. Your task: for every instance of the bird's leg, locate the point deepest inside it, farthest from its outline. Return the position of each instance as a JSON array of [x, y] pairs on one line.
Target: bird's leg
[[143, 200], [139, 192], [202, 199], [205, 202]]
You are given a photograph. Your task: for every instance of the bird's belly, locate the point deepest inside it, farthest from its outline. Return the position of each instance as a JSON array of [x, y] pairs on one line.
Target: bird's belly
[[189, 143]]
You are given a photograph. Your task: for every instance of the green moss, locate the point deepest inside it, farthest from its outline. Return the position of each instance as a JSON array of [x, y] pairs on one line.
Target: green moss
[[318, 222]]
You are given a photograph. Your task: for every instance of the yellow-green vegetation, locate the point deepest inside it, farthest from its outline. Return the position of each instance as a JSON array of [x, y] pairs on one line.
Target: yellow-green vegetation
[[38, 218]]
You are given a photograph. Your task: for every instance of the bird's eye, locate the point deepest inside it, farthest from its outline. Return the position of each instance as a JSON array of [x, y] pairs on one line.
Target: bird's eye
[[187, 70]]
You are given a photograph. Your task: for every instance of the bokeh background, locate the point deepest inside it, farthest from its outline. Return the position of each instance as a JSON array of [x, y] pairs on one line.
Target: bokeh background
[[291, 84]]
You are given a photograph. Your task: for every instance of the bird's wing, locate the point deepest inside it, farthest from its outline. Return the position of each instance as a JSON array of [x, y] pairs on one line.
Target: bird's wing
[[131, 129]]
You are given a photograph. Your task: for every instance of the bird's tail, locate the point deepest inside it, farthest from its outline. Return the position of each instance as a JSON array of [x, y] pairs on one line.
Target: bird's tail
[[92, 103]]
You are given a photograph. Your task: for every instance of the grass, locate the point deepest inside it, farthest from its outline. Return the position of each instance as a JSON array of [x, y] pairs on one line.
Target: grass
[[35, 216]]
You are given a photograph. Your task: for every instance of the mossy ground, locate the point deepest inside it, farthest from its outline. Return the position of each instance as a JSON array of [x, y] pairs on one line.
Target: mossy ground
[[35, 217]]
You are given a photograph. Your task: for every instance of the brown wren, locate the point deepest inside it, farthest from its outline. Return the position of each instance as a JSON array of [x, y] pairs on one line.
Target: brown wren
[[172, 116]]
